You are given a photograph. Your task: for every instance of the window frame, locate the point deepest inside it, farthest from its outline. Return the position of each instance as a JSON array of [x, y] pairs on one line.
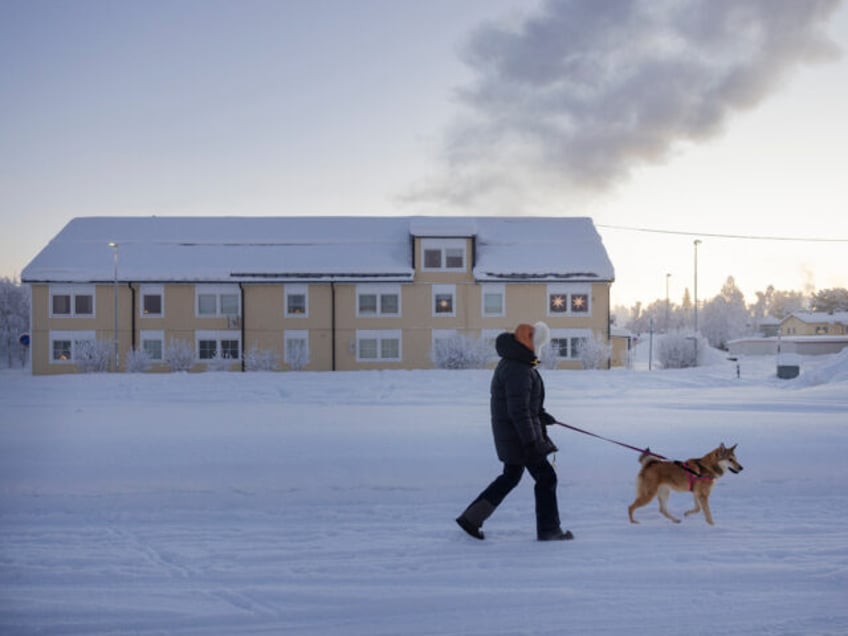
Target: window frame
[[444, 246], [74, 338], [569, 336], [443, 290], [297, 289], [219, 291], [218, 336], [488, 289], [73, 292], [147, 335], [568, 291], [151, 290], [295, 335], [379, 292], [379, 336]]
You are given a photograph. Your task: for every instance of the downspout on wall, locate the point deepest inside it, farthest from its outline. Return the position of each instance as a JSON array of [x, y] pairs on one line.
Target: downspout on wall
[[241, 324], [132, 316], [332, 326]]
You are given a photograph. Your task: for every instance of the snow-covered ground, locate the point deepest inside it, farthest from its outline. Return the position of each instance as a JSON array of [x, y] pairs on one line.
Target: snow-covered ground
[[323, 503]]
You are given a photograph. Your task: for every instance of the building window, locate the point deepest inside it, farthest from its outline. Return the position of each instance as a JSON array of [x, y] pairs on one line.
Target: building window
[[569, 299], [444, 300], [378, 346], [212, 345], [65, 346], [218, 300], [296, 348], [378, 300], [579, 303], [568, 343], [494, 300], [443, 254], [72, 301], [297, 301], [152, 301], [153, 344]]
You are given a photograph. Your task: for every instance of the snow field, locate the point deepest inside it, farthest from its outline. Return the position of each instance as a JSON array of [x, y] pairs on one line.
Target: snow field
[[318, 503]]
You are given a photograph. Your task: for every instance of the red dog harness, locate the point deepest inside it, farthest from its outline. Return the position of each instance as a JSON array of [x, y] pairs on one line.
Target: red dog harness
[[693, 475]]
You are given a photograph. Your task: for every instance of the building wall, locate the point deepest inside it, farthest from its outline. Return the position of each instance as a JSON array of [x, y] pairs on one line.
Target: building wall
[[793, 326], [331, 321], [332, 309]]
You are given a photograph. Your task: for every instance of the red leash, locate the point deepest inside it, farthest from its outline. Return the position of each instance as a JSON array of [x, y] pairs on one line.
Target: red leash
[[612, 441]]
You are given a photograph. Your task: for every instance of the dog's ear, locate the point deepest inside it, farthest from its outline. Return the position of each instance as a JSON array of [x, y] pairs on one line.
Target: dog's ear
[[733, 448], [722, 447]]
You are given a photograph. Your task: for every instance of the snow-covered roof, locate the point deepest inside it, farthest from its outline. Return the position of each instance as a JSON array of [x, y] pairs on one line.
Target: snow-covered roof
[[240, 249], [814, 317]]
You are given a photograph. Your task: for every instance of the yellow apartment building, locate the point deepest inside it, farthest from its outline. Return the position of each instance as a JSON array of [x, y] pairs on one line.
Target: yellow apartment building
[[316, 293]]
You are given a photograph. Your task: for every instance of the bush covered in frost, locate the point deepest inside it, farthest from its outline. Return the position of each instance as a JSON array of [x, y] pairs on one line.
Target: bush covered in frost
[[94, 356], [460, 352], [261, 359], [678, 351], [594, 353], [179, 355], [137, 361]]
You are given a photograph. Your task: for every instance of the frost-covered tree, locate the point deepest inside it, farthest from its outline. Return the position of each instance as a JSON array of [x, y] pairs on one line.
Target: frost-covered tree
[[830, 300], [725, 317], [178, 355], [14, 321]]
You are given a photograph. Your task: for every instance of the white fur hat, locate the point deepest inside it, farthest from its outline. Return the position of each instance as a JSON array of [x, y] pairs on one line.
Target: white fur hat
[[541, 336]]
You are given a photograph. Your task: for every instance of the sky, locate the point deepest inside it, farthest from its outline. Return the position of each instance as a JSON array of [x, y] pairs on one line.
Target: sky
[[665, 122]]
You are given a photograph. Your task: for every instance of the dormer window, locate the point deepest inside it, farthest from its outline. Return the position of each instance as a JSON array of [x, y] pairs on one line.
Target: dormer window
[[443, 254]]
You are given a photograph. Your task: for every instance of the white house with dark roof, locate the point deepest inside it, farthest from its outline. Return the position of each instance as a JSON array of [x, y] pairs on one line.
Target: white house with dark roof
[[320, 293]]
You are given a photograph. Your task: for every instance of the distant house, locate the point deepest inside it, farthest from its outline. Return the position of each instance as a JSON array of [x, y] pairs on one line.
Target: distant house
[[808, 323], [319, 293], [804, 333], [769, 326]]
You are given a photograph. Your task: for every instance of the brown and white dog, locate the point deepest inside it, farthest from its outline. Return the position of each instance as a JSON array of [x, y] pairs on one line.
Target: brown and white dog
[[658, 478]]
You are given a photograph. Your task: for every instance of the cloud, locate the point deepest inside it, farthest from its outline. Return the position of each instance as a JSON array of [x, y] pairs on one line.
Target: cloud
[[582, 92]]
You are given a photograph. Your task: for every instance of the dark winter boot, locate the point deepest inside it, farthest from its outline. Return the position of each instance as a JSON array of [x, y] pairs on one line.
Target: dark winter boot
[[555, 535], [474, 516]]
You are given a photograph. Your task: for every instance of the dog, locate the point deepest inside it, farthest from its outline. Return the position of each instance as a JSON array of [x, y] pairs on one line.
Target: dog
[[658, 478]]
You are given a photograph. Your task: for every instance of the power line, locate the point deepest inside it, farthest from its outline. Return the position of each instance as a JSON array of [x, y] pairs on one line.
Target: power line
[[748, 237]]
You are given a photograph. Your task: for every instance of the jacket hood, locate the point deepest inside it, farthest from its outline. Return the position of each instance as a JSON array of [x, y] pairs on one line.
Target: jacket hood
[[508, 347]]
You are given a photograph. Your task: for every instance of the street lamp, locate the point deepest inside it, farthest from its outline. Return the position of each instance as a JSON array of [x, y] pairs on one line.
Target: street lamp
[[667, 304], [114, 247], [697, 243]]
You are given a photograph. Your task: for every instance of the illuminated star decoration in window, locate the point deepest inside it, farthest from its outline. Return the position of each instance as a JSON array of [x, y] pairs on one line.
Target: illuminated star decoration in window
[[578, 302], [558, 303]]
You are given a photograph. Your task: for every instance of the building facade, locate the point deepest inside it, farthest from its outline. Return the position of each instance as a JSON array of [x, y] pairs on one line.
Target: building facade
[[313, 293], [814, 323]]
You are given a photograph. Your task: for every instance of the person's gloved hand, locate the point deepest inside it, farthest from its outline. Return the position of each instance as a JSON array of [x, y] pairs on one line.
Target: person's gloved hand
[[538, 450], [546, 418]]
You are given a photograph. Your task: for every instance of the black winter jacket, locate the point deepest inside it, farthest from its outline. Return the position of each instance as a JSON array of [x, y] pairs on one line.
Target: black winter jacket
[[517, 401]]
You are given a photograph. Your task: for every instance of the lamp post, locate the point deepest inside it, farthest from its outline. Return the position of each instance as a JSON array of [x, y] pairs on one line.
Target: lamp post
[[114, 247], [697, 243], [667, 304]]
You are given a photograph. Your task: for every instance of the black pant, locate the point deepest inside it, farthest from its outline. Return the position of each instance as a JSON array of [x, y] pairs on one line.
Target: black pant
[[547, 512]]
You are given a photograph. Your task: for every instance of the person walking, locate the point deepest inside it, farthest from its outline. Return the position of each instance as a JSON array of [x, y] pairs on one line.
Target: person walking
[[519, 423]]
